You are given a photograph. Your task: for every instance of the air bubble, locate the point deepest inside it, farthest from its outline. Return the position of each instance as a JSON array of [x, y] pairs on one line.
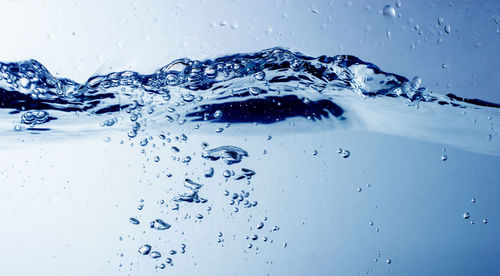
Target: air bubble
[[389, 11], [145, 249], [466, 215]]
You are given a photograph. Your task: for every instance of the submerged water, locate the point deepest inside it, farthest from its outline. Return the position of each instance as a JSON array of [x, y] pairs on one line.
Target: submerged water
[[272, 162]]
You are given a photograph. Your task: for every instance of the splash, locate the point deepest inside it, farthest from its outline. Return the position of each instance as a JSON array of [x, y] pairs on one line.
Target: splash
[[266, 87]]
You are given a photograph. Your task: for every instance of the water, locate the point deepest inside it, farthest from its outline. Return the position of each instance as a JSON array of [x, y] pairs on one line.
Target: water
[[245, 190], [269, 161]]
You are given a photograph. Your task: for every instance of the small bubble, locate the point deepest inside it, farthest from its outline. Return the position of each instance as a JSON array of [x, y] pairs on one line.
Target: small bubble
[[260, 75], [145, 249], [159, 224], [388, 261], [447, 29], [260, 226], [209, 172], [199, 216], [359, 189], [444, 157], [156, 159], [315, 152], [134, 221], [226, 173], [346, 153], [389, 11], [155, 255], [485, 221], [440, 21], [218, 114], [466, 215], [254, 91]]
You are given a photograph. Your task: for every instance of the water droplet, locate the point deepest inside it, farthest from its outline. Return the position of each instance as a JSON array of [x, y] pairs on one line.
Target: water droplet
[[398, 4], [388, 261], [134, 221], [315, 152], [466, 215], [346, 153], [156, 159], [444, 157], [485, 221], [254, 237], [145, 249], [440, 21], [359, 189], [168, 260], [159, 224], [389, 11]]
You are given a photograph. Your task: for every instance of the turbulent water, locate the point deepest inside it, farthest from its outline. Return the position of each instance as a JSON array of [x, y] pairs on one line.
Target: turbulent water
[[274, 87], [264, 87]]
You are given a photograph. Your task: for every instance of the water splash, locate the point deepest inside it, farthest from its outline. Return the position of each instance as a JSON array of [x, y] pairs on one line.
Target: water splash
[[266, 87]]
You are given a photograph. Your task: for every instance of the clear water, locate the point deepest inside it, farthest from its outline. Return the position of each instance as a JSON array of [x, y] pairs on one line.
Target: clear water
[[266, 163]]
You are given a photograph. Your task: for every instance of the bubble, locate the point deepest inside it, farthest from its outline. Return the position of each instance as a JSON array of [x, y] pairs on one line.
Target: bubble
[[359, 189], [444, 157], [466, 215], [447, 29], [389, 11], [346, 153], [24, 82], [218, 114], [255, 91], [260, 75], [199, 216], [209, 172], [440, 21], [156, 159], [260, 226], [134, 221], [485, 221], [155, 255], [145, 249], [159, 224], [34, 117], [388, 261], [229, 154], [473, 200]]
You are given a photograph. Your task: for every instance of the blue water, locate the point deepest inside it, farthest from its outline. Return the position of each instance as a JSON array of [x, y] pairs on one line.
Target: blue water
[[272, 162]]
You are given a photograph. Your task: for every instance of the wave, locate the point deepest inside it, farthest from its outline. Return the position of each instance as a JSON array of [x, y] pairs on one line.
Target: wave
[[265, 87]]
